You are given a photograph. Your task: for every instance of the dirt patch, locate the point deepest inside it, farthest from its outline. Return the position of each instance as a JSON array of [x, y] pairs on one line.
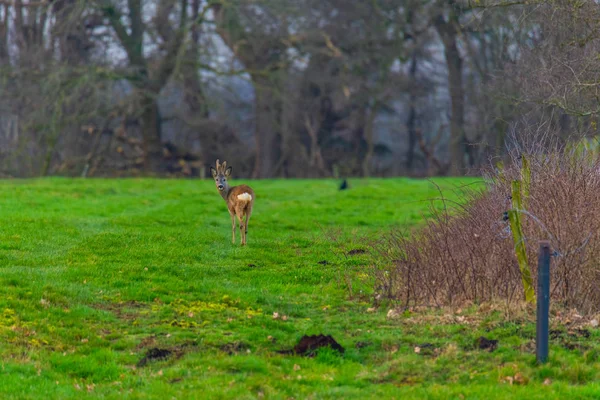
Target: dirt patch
[[484, 343], [556, 334], [584, 333], [124, 310], [323, 262], [354, 252], [308, 345], [159, 354], [234, 348], [571, 334], [571, 339], [147, 342], [154, 354], [361, 345], [526, 347], [574, 345], [425, 349]]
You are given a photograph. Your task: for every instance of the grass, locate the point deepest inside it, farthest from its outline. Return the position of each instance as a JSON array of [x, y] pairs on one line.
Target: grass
[[94, 274]]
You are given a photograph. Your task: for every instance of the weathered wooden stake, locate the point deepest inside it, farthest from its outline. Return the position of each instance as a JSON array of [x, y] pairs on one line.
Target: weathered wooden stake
[[543, 302], [514, 217]]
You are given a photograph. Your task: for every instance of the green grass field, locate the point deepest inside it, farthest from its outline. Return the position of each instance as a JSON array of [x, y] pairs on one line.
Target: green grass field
[[94, 274]]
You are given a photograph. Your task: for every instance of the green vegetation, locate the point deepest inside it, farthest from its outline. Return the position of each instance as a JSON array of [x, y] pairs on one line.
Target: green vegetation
[[94, 274]]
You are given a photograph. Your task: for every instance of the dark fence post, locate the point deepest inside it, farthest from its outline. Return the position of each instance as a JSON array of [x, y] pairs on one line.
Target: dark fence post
[[543, 302]]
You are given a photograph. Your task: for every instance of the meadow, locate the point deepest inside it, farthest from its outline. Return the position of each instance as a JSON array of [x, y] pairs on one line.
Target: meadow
[[132, 289]]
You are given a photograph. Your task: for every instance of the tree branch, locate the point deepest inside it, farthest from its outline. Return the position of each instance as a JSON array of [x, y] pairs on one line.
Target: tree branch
[[131, 43], [13, 3]]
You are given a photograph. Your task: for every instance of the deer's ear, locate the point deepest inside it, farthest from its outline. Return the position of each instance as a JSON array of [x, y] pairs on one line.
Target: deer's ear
[[213, 172], [228, 171]]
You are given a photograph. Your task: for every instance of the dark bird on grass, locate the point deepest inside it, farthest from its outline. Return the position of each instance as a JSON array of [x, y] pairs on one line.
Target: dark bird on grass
[[344, 185]]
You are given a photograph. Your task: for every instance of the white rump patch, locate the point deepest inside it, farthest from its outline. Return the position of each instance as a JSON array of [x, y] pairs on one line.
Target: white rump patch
[[245, 197]]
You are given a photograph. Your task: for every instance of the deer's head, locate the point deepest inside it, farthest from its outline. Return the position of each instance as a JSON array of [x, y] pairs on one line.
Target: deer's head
[[220, 174]]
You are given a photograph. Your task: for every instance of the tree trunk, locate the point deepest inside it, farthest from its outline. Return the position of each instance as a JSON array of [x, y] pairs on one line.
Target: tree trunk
[[264, 57], [73, 43], [147, 86], [369, 139], [411, 122], [5, 9], [267, 127], [194, 95], [150, 124], [449, 32]]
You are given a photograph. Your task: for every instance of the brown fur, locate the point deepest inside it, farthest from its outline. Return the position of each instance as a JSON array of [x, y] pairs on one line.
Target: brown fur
[[242, 209]]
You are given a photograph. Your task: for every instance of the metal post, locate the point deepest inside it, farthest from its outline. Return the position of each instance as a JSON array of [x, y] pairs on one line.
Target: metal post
[[543, 302]]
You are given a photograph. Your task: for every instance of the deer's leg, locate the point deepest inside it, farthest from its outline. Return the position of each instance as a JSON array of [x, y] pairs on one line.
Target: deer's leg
[[232, 227], [248, 214], [242, 229]]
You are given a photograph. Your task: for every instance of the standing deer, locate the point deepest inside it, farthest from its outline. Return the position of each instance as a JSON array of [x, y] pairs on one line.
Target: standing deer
[[239, 199]]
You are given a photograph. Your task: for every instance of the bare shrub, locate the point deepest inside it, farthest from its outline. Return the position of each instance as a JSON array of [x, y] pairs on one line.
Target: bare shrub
[[465, 253]]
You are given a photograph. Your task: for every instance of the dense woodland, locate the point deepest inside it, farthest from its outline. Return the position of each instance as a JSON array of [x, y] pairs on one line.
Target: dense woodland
[[304, 88]]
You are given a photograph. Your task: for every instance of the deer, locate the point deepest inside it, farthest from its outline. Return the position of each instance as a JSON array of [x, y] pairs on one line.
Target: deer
[[239, 199]]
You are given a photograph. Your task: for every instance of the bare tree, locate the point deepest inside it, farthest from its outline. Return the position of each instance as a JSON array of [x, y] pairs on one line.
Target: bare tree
[[149, 74], [256, 35], [335, 86]]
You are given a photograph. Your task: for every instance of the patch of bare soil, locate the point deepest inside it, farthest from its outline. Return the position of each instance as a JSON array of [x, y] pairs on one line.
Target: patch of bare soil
[[571, 339], [124, 310], [484, 343], [154, 354], [147, 342], [308, 345], [159, 354], [234, 348], [354, 252]]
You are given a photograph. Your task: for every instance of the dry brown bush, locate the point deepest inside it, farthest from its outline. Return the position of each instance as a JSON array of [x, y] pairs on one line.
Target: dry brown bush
[[465, 253]]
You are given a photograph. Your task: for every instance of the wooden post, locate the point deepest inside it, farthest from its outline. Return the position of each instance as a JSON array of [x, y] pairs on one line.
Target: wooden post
[[516, 228], [543, 302]]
